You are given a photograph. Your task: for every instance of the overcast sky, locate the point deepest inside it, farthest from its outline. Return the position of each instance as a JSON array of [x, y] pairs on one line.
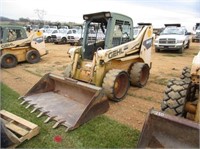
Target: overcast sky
[[157, 12]]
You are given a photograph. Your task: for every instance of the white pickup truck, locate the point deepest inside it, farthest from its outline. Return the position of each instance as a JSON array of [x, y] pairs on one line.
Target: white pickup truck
[[172, 38], [60, 36], [196, 35]]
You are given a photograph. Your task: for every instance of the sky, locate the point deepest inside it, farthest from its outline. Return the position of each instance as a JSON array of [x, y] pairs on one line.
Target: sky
[[157, 12]]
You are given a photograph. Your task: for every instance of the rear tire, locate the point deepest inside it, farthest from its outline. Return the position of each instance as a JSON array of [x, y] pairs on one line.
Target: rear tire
[[175, 97], [8, 61], [116, 84], [139, 74], [33, 56]]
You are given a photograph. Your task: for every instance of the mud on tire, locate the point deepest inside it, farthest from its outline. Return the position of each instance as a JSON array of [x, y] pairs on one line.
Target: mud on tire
[[116, 84], [175, 97], [139, 74]]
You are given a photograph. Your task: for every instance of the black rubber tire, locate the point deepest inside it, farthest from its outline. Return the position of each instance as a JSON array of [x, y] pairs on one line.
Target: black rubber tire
[[80, 42], [188, 44], [175, 97], [185, 75], [8, 61], [139, 74], [48, 40], [64, 40], [33, 56], [116, 84], [181, 50], [157, 50]]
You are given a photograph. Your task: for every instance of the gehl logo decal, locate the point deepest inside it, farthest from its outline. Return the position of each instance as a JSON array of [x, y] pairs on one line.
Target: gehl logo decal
[[117, 52], [6, 45]]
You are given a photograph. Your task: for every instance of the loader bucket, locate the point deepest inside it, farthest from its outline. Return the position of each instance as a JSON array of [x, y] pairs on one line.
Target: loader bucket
[[67, 101], [166, 131]]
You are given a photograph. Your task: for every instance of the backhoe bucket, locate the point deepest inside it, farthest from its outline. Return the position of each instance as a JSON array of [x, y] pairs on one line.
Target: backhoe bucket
[[166, 131], [68, 101]]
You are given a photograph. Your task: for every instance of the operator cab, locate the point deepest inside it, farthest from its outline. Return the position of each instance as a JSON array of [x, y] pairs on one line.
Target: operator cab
[[11, 34], [105, 30]]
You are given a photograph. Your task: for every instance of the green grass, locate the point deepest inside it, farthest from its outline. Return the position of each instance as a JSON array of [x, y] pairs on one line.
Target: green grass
[[100, 132]]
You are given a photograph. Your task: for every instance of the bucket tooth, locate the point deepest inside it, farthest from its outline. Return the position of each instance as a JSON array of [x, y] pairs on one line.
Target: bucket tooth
[[29, 105], [21, 97], [42, 113], [34, 110], [58, 123], [66, 130], [23, 102], [48, 119]]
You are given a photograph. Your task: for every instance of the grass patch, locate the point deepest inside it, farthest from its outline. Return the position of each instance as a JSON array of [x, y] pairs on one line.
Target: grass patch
[[101, 132]]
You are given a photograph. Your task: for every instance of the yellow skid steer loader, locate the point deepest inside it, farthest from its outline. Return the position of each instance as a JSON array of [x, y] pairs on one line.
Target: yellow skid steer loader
[[178, 125], [17, 45], [102, 68]]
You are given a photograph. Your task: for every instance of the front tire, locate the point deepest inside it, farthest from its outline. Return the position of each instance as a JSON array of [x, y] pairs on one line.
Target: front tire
[[157, 50], [139, 74], [181, 49], [175, 97], [33, 56], [64, 40], [8, 61], [116, 84], [188, 44]]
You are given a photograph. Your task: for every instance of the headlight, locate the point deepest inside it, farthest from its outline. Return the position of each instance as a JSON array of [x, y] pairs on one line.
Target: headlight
[[179, 41]]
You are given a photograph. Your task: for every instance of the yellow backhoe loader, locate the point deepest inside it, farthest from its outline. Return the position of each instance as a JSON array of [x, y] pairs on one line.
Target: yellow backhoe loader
[[17, 45], [102, 68], [177, 125]]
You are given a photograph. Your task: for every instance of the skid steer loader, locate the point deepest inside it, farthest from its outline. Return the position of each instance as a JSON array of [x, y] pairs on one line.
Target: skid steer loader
[[17, 45], [178, 125], [101, 69]]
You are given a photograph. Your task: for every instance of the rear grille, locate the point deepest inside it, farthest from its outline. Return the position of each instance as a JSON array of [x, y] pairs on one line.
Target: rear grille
[[167, 41]]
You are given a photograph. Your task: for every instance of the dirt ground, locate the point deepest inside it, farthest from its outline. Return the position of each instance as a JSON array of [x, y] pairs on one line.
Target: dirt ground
[[133, 109]]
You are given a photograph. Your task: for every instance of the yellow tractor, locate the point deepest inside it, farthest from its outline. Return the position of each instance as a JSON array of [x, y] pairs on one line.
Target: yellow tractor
[[17, 45], [177, 125], [102, 68]]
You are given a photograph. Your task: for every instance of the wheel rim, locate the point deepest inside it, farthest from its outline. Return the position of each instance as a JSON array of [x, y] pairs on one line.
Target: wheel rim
[[33, 56], [121, 85], [9, 60], [144, 75]]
